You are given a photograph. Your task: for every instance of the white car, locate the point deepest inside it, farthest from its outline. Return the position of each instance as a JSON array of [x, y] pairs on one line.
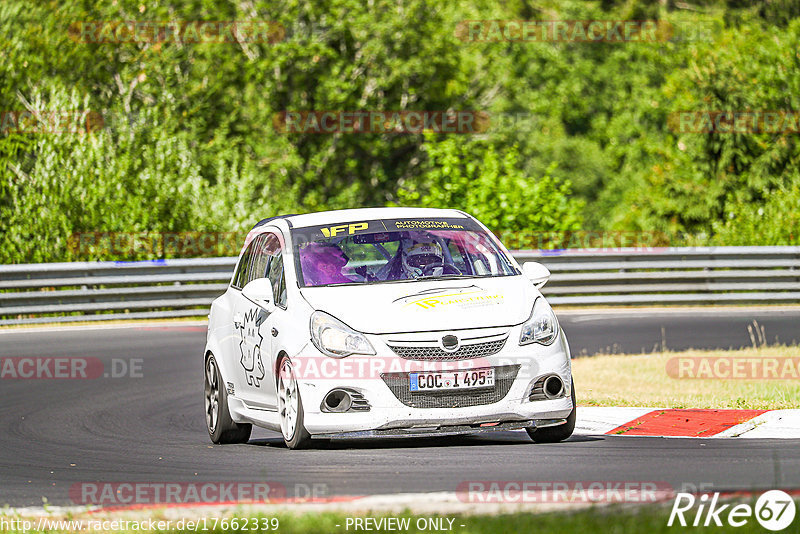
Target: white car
[[384, 322]]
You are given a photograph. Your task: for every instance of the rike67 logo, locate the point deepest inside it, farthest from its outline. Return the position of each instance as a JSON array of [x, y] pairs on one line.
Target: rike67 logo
[[774, 510]]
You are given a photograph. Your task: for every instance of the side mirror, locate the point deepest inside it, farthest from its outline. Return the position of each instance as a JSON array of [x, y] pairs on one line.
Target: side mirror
[[536, 273], [259, 291]]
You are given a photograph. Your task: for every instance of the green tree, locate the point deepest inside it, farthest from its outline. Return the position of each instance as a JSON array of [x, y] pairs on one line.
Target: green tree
[[488, 183]]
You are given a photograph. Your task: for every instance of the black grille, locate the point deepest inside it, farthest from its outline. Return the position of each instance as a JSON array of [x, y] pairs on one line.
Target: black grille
[[360, 404], [438, 354], [503, 379]]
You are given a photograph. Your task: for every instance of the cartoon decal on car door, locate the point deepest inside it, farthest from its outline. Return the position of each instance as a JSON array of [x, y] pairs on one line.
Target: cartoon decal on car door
[[250, 343]]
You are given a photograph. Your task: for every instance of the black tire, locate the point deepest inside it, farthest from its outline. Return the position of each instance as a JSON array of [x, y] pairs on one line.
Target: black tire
[[224, 429], [554, 434], [300, 438]]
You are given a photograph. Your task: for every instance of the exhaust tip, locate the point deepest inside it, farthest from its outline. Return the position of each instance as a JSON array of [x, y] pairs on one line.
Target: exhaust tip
[[553, 387], [337, 401]]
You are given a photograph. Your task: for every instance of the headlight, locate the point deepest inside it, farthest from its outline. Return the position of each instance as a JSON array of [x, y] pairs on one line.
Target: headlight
[[542, 327], [334, 338]]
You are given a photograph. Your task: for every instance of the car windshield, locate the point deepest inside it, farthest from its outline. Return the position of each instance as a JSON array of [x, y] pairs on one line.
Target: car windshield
[[389, 250]]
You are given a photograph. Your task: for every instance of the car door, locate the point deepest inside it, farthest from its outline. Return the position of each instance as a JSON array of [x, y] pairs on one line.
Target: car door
[[246, 346], [228, 320], [256, 384], [275, 321]]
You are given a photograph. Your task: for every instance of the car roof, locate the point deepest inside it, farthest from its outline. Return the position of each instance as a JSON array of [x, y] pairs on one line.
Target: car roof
[[349, 215], [262, 222]]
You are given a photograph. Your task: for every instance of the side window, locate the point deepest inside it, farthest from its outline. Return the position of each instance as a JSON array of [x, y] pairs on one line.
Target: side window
[[240, 279], [254, 263], [276, 271], [263, 259], [282, 295], [276, 276], [259, 260]]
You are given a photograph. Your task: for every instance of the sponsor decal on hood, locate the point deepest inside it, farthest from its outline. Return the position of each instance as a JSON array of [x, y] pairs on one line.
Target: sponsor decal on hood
[[463, 297]]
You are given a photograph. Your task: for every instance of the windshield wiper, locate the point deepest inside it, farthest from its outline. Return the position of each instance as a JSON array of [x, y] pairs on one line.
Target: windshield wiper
[[443, 276]]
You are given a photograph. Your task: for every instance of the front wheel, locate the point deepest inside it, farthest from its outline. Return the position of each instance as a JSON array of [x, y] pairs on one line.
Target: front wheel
[[558, 433], [290, 408], [221, 427]]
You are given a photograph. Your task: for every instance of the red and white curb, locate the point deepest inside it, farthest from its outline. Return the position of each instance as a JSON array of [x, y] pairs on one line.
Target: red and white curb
[[689, 423]]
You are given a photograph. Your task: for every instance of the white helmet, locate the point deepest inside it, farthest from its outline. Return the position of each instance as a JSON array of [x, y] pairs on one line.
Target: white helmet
[[421, 254]]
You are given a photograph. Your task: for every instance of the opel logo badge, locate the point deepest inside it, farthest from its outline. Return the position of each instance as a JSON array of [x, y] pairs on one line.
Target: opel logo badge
[[450, 343]]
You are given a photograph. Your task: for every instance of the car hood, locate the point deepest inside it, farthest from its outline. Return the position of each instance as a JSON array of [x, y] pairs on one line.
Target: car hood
[[426, 306]]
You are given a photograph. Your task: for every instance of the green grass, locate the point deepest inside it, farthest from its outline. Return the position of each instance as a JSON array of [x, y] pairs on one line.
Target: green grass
[[643, 380]]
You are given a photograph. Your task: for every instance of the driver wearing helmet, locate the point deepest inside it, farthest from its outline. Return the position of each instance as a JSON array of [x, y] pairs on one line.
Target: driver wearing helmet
[[422, 258]]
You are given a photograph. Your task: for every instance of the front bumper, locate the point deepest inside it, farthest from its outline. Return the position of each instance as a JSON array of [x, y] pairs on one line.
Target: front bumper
[[388, 414]]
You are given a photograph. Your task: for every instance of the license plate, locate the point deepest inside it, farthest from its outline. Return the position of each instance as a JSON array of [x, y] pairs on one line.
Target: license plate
[[443, 381]]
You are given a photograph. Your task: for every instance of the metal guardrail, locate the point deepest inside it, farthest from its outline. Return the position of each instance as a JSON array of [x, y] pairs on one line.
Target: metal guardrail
[[63, 292], [681, 275]]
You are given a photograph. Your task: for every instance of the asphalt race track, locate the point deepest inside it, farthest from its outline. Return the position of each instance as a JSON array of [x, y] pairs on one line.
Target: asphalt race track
[[150, 428], [637, 331]]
